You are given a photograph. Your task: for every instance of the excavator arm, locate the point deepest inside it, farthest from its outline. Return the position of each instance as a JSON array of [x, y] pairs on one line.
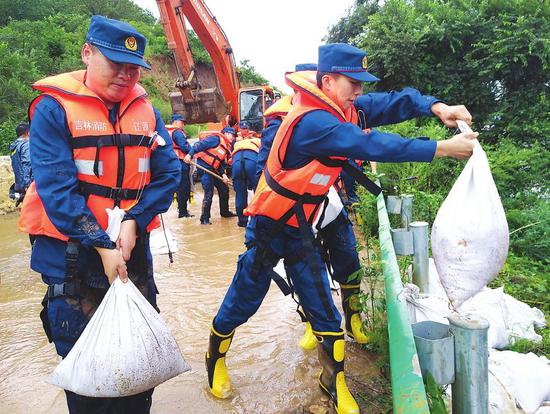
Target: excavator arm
[[205, 95]]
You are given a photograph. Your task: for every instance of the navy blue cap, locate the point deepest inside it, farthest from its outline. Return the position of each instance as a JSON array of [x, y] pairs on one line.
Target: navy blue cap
[[118, 41], [243, 125], [346, 60], [178, 117], [229, 130], [305, 66]]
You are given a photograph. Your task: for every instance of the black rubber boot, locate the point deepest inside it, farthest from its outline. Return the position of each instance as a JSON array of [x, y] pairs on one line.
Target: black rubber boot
[[218, 378], [350, 305], [330, 348]]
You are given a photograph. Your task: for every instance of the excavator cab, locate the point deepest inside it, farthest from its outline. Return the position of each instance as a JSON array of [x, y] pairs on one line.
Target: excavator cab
[[252, 104]]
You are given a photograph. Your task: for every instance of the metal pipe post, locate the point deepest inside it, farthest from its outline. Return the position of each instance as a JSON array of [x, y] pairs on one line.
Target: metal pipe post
[[406, 210], [471, 387], [421, 263]]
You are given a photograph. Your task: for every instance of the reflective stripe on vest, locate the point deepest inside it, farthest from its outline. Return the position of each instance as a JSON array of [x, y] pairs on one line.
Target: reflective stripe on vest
[[113, 162]]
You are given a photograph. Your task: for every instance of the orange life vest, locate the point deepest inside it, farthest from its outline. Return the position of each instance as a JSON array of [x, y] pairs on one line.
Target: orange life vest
[[215, 156], [252, 144], [280, 190], [112, 162], [179, 152], [280, 108]]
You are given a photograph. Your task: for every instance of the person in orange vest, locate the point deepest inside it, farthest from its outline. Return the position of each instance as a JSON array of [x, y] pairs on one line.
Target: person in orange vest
[[243, 170], [213, 153], [310, 148], [181, 148], [96, 143]]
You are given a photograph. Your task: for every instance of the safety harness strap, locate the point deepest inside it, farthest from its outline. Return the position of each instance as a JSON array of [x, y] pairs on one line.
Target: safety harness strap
[[308, 243], [356, 174], [114, 193], [113, 140], [285, 192]]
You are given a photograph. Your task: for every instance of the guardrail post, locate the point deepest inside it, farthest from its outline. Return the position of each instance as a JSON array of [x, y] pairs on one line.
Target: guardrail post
[[471, 386], [409, 396], [406, 210], [421, 261]]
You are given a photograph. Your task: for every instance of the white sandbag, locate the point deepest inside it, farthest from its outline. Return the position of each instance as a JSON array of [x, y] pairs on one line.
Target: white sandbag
[[425, 307], [470, 233], [489, 303], [160, 240], [500, 400], [521, 320], [125, 349], [525, 376]]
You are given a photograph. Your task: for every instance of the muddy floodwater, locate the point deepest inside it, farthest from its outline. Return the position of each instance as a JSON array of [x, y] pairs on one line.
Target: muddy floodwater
[[269, 371]]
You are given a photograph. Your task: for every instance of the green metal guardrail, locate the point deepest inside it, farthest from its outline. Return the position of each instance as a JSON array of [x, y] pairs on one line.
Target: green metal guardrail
[[409, 395]]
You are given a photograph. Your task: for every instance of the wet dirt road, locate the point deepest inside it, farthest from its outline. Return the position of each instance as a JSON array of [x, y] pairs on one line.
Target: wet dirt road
[[269, 371]]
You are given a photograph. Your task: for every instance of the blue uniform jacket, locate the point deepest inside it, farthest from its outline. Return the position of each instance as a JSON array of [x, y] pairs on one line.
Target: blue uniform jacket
[[181, 140], [320, 134], [55, 174], [21, 163], [268, 135]]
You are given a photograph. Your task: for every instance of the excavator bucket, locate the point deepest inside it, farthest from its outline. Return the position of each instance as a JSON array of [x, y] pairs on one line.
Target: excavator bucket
[[209, 104]]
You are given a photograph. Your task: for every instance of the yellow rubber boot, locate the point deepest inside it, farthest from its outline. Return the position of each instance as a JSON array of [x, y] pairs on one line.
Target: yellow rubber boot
[[218, 377], [331, 379], [308, 342], [351, 313]]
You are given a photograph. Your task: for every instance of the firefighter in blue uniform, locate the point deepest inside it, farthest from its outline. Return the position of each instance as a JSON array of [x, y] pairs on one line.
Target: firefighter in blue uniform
[[308, 153], [181, 148], [213, 153], [243, 170], [93, 145], [20, 163]]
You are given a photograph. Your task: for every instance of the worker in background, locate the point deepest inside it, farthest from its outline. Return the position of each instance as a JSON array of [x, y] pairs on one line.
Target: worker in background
[[213, 153], [243, 171], [245, 131], [181, 148], [309, 151], [96, 142], [20, 163]]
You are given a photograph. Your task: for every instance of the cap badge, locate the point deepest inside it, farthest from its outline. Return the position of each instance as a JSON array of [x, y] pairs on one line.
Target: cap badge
[[131, 43], [364, 63]]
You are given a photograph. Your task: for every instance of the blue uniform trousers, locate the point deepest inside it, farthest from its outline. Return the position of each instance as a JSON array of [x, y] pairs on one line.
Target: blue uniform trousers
[[208, 183], [249, 287], [339, 240], [184, 189], [243, 174], [67, 317]]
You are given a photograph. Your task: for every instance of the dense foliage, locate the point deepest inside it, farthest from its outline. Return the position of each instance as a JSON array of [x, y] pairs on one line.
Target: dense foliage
[[41, 38], [494, 57]]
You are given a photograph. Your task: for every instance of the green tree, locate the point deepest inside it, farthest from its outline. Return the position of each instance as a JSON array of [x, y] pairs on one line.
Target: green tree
[[492, 55], [248, 74]]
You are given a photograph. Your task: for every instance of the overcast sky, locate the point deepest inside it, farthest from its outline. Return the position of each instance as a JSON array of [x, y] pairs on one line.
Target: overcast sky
[[273, 35]]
